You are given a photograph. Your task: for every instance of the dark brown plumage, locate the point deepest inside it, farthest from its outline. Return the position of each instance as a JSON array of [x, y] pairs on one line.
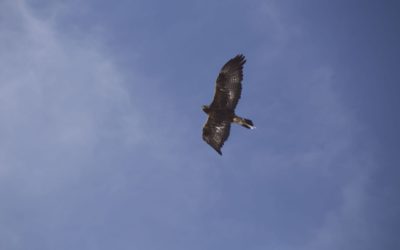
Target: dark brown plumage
[[221, 112]]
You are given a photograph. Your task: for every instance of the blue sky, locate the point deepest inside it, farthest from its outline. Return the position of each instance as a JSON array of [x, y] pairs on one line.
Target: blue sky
[[100, 109]]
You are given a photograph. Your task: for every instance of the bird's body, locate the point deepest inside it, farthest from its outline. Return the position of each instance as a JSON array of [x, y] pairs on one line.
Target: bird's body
[[221, 112]]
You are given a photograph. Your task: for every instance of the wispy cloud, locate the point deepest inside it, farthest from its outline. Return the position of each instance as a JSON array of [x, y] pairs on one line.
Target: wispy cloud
[[97, 156], [78, 151], [62, 106], [55, 92]]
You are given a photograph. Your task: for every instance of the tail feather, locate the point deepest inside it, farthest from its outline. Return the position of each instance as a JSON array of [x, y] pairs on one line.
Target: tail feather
[[247, 123]]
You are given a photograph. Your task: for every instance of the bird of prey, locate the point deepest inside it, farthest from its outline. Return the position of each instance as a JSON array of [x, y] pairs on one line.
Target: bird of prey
[[221, 112]]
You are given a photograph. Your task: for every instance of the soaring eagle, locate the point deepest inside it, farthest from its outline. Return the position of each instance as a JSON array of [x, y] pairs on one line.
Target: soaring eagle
[[221, 112]]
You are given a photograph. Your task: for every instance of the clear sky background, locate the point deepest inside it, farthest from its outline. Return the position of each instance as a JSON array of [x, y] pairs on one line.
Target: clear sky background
[[100, 125]]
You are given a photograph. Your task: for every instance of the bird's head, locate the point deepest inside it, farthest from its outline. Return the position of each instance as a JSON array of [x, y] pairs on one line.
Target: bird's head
[[206, 109]]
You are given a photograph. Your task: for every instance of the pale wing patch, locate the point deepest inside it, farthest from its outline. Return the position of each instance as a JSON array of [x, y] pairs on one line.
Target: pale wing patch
[[219, 129]]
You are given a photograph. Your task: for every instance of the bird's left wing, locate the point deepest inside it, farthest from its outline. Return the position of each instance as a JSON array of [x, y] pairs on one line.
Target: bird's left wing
[[216, 131]]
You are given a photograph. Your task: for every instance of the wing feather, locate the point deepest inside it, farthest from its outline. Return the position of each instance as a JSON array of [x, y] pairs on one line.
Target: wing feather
[[229, 84], [216, 131]]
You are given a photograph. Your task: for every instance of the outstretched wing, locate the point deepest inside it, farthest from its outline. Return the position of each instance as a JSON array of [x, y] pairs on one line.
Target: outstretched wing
[[229, 84], [216, 131]]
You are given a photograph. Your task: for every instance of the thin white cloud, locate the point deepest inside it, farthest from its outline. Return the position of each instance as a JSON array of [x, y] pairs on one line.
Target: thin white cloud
[[68, 119], [61, 101], [64, 104]]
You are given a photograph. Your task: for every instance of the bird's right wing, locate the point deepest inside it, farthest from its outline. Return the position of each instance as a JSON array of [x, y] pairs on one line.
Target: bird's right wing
[[216, 131], [229, 84]]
